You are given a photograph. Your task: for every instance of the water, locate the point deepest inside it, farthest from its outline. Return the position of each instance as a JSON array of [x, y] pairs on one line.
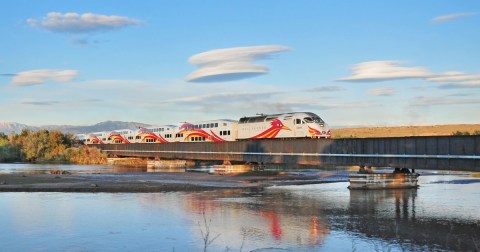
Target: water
[[440, 216]]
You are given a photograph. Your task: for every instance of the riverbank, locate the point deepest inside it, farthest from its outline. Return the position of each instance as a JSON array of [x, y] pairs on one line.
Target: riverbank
[[145, 182]]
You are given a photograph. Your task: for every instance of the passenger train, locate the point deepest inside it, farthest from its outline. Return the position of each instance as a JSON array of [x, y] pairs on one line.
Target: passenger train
[[286, 125]]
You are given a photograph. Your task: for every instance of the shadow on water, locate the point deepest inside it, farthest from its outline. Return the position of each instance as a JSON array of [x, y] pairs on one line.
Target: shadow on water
[[458, 181]]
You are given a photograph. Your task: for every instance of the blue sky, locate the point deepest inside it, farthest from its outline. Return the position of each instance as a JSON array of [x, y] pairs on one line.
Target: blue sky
[[367, 63]]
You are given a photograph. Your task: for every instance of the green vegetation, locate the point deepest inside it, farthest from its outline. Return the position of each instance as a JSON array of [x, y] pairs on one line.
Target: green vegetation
[[47, 146], [466, 133]]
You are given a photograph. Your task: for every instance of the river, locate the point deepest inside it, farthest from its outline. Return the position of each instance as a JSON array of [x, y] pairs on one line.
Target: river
[[442, 215]]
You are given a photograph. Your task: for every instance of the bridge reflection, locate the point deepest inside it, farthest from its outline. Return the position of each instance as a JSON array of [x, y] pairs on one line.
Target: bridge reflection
[[309, 217]]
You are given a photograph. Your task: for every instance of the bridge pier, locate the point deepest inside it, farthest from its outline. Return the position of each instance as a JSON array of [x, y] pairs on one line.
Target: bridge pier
[[400, 178]]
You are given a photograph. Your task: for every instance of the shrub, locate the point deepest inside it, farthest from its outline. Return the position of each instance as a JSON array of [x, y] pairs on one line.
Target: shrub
[[85, 155]]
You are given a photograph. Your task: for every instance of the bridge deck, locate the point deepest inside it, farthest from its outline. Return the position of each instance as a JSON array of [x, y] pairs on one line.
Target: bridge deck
[[444, 153]]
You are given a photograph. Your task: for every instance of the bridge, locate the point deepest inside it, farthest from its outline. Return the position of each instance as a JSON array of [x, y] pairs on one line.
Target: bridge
[[438, 152]]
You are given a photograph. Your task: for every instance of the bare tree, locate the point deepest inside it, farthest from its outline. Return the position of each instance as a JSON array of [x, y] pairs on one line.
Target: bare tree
[[206, 234]]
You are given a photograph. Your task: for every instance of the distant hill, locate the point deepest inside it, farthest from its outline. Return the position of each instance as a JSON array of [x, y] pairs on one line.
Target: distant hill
[[8, 127]]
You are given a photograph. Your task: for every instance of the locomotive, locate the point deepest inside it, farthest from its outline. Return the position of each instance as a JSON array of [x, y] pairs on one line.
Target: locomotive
[[274, 126]]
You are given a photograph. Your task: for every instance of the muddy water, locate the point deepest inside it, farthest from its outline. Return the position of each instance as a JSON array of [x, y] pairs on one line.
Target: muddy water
[[441, 215]]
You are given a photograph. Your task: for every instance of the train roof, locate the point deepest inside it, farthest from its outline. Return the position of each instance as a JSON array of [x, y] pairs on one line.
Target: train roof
[[262, 117], [210, 121], [160, 126]]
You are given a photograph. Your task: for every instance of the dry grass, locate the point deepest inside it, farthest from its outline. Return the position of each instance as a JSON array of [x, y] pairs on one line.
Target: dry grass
[[405, 131]]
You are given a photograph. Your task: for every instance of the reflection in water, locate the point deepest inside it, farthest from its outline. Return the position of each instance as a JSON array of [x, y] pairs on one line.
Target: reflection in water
[[393, 215], [321, 217], [47, 168]]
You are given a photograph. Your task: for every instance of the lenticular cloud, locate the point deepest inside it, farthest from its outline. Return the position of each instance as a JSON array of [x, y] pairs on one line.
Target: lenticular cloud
[[36, 77], [231, 63], [385, 70], [81, 23]]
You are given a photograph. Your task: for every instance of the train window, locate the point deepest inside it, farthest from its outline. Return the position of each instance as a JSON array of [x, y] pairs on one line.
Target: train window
[[216, 125], [308, 120], [298, 121]]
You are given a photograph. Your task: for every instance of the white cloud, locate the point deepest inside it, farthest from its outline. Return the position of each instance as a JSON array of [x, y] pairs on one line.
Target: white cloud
[[451, 17], [457, 80], [385, 70], [231, 63], [41, 102], [382, 91], [36, 77], [374, 71], [325, 89], [222, 98], [81, 23], [435, 101]]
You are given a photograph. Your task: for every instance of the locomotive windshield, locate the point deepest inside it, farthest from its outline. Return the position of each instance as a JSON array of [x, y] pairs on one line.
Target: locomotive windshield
[[314, 119]]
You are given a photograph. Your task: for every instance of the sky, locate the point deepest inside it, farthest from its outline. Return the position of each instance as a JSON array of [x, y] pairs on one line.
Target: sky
[[354, 63]]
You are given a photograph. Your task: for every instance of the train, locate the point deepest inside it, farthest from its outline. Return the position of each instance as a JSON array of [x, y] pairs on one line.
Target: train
[[273, 126]]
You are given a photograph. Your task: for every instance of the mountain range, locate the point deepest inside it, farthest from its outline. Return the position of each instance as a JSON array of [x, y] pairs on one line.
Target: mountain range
[[9, 127]]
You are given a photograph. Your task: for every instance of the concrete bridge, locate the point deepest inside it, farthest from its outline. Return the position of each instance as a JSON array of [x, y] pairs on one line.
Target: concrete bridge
[[438, 153]]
